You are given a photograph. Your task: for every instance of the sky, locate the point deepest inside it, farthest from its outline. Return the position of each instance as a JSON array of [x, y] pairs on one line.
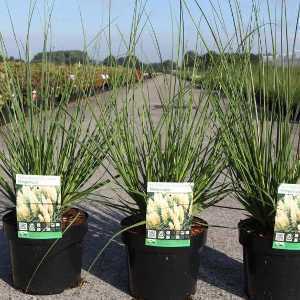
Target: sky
[[71, 16]]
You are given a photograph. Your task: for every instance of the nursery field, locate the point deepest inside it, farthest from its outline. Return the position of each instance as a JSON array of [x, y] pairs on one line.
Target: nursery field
[[81, 79], [220, 275], [269, 82]]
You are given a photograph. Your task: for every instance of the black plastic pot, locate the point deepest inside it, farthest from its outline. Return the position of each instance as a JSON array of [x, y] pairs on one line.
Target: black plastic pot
[[161, 273], [268, 273], [60, 269]]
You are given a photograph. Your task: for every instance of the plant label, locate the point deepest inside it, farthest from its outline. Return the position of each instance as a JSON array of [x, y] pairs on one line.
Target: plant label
[[169, 214], [38, 206], [287, 220]]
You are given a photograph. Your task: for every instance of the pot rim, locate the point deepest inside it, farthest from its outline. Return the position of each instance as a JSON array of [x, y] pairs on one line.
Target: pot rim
[[8, 214], [126, 221]]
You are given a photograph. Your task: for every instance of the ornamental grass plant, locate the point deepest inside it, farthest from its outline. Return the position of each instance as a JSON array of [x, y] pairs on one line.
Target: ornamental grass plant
[[174, 139], [173, 148], [46, 137], [161, 131], [50, 140], [260, 143]]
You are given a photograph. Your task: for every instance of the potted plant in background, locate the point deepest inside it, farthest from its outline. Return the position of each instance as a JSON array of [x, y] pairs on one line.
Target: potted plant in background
[[48, 139], [261, 144]]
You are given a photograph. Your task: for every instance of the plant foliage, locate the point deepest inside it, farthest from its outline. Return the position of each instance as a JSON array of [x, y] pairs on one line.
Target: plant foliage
[[260, 142], [43, 138]]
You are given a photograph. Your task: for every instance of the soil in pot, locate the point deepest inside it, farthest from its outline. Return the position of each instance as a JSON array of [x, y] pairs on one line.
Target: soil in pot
[[268, 273], [162, 273], [61, 267]]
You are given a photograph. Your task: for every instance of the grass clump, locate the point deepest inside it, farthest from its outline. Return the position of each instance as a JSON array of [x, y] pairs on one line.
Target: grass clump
[[254, 110]]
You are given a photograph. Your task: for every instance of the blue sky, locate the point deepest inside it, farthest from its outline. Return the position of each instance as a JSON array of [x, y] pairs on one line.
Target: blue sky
[[67, 33]]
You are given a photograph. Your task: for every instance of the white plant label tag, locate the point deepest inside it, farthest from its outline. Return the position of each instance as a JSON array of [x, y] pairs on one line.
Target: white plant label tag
[[38, 206], [169, 214], [287, 220]]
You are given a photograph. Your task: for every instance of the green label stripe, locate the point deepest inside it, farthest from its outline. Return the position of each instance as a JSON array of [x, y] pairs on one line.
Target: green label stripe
[[168, 243], [286, 246], [39, 235]]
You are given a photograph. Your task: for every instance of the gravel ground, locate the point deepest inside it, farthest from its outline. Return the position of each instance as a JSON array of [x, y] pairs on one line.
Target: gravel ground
[[220, 274]]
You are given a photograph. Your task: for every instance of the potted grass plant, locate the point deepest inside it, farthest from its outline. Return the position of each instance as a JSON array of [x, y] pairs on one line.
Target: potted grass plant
[[261, 151], [47, 139], [260, 143], [175, 141], [261, 148], [160, 132]]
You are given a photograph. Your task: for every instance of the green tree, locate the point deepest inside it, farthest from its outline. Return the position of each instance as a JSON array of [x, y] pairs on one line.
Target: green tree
[[190, 59], [130, 60], [169, 65], [63, 57], [109, 61], [121, 60], [208, 59]]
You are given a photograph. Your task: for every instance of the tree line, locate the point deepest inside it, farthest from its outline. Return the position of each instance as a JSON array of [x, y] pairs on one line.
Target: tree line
[[203, 62], [191, 59]]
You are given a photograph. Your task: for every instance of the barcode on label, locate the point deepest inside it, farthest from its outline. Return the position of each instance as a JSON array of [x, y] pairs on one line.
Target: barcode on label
[[279, 237], [151, 234], [22, 226]]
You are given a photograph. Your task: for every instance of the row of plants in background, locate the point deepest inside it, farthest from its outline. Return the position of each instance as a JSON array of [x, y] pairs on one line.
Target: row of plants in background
[[270, 80], [82, 79]]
